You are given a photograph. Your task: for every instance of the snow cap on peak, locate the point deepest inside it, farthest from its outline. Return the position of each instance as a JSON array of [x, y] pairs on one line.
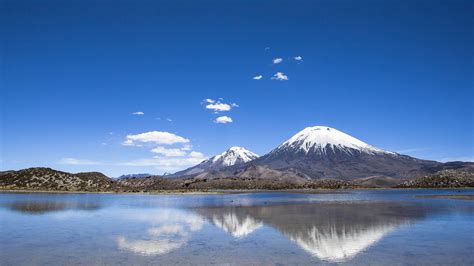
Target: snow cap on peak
[[319, 137], [234, 155]]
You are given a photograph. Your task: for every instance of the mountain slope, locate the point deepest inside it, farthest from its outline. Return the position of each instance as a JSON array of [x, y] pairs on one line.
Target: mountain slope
[[232, 157], [324, 152]]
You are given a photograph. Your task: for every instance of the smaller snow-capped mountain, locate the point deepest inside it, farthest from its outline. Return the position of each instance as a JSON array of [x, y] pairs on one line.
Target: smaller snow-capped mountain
[[231, 157], [238, 227]]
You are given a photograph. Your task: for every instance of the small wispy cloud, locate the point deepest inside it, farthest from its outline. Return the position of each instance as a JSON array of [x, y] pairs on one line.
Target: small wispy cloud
[[279, 76], [223, 120], [196, 154], [169, 119], [219, 105], [259, 77], [174, 152], [460, 158], [411, 150], [138, 113], [74, 161], [187, 147], [277, 60], [298, 58], [168, 163]]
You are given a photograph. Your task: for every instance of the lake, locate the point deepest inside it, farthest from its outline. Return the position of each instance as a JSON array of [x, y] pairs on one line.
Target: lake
[[358, 227]]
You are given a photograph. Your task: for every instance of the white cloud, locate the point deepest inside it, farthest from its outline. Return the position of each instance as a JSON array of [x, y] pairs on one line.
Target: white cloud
[[169, 163], [277, 60], [156, 137], [169, 119], [169, 152], [259, 77], [165, 159], [138, 113], [223, 120], [219, 107], [74, 161], [280, 76], [298, 58], [209, 100]]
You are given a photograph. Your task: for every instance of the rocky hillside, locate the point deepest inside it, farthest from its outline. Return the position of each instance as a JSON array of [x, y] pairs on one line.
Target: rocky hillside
[[148, 183], [442, 179], [52, 180], [378, 181]]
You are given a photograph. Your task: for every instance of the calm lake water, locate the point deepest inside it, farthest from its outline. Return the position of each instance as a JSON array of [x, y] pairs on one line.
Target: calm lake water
[[378, 227]]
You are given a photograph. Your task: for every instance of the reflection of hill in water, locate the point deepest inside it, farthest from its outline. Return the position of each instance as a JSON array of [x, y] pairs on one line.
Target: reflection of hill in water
[[41, 207], [235, 225], [329, 231]]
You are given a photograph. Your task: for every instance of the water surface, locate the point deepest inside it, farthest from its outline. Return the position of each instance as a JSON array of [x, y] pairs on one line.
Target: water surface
[[391, 227]]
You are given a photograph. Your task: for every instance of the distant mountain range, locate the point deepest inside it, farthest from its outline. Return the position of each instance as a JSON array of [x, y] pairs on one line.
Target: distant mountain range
[[318, 152], [316, 157], [134, 176]]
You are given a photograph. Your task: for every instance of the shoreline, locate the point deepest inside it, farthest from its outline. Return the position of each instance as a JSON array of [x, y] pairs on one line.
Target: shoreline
[[222, 191]]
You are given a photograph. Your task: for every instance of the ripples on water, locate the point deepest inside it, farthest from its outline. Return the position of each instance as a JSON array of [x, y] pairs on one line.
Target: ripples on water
[[355, 227]]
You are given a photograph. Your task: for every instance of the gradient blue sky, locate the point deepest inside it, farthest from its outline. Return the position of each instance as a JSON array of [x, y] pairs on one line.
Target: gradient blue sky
[[395, 74]]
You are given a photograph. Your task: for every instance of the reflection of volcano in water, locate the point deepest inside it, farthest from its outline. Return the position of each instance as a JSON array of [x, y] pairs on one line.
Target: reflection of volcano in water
[[338, 246], [330, 231]]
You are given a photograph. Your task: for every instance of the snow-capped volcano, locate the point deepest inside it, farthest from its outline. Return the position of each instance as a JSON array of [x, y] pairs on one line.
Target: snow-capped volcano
[[325, 152], [321, 139], [231, 157]]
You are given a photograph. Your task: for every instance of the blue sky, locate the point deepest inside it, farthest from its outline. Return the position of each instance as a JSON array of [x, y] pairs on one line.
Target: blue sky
[[395, 74]]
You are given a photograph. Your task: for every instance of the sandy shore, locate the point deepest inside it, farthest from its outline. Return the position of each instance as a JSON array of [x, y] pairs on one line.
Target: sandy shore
[[457, 197]]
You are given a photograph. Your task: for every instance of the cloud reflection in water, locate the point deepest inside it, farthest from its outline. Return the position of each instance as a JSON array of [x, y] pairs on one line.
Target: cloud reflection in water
[[170, 230]]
